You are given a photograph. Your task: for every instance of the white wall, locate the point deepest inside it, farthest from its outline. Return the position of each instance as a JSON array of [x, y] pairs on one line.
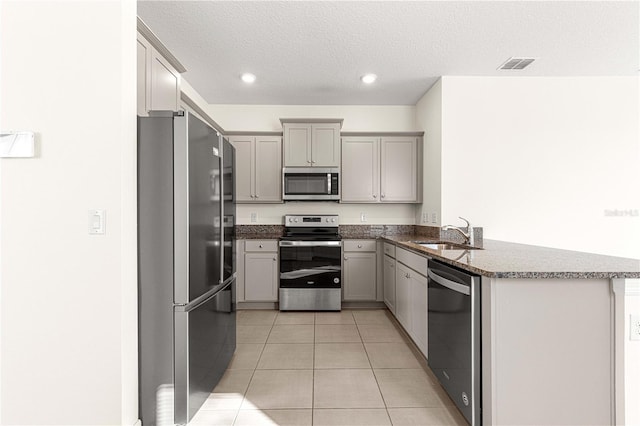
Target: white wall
[[379, 118], [539, 160], [375, 214], [429, 118], [68, 322]]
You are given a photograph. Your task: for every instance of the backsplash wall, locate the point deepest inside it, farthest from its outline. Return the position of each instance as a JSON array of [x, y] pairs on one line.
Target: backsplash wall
[[350, 214]]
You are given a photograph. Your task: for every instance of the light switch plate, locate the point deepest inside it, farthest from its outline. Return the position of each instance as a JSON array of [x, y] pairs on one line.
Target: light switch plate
[[635, 327], [97, 222]]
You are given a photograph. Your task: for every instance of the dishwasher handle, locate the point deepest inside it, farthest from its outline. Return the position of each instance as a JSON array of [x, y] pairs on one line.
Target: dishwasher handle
[[452, 285]]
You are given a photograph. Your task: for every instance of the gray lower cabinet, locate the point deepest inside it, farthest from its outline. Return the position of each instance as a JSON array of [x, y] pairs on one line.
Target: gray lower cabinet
[[403, 292], [389, 274], [418, 310], [411, 299], [261, 271], [359, 270]]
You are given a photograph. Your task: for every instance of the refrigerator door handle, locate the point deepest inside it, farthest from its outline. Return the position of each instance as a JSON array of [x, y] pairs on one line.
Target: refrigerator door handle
[[203, 298], [230, 279]]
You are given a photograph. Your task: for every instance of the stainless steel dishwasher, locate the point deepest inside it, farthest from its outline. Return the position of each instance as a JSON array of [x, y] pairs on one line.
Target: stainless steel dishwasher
[[453, 301]]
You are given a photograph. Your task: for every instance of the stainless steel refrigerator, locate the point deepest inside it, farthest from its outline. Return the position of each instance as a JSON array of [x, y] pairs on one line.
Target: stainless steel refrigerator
[[186, 265]]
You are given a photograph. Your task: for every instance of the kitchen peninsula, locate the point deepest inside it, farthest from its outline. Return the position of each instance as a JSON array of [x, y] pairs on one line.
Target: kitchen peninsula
[[552, 331]]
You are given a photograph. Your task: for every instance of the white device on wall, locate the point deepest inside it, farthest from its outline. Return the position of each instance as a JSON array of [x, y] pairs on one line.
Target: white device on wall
[[17, 144]]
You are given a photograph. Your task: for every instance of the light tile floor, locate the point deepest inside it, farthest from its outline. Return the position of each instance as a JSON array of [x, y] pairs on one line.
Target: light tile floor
[[348, 368]]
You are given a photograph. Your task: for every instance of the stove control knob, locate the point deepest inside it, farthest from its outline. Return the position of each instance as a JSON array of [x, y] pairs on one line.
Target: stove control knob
[[296, 220], [290, 219], [327, 220], [333, 219]]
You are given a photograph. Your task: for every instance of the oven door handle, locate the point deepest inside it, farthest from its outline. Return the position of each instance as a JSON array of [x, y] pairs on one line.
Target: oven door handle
[[452, 285], [310, 243]]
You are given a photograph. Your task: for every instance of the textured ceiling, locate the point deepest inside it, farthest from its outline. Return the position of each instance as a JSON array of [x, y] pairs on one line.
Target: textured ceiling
[[313, 52]]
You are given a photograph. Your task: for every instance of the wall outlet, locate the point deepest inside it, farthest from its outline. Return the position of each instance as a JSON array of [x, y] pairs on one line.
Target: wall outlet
[[363, 217], [434, 217], [254, 217], [425, 217], [635, 327]]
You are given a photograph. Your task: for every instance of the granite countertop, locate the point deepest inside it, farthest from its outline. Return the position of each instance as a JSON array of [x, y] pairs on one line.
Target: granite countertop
[[259, 236], [259, 232], [500, 259]]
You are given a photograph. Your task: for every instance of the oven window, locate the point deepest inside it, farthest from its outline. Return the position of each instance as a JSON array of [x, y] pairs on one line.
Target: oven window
[[305, 184], [304, 267]]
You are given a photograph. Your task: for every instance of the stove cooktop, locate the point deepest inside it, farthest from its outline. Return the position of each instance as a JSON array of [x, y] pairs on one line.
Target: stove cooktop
[[311, 228]]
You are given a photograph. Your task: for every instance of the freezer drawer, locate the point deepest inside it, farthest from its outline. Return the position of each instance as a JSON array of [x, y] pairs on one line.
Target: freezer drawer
[[205, 340]]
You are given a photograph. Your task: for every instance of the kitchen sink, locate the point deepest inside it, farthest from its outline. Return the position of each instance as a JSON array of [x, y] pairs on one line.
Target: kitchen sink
[[445, 245]]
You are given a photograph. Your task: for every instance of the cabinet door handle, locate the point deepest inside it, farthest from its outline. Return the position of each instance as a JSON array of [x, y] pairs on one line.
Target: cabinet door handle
[[392, 266], [256, 196], [260, 246], [407, 276], [274, 259], [346, 258], [381, 195], [375, 196]]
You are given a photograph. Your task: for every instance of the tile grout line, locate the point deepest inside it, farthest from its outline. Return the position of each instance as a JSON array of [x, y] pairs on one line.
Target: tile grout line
[[386, 408], [244, 396]]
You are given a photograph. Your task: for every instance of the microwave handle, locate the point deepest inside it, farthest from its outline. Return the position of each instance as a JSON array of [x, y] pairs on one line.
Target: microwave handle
[[329, 183]]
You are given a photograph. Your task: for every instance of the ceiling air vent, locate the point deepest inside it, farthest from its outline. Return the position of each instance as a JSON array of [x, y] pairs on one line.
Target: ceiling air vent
[[516, 63]]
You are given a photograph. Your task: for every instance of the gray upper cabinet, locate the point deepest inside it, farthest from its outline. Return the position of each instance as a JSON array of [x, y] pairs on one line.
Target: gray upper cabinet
[[165, 84], [360, 170], [158, 74], [144, 81], [380, 169], [258, 168], [399, 169], [315, 144]]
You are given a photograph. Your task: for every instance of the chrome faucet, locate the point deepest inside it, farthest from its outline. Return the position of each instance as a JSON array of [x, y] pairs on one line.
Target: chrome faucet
[[468, 236]]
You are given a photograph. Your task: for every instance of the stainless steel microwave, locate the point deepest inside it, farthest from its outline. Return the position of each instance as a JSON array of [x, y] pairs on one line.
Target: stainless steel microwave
[[310, 184]]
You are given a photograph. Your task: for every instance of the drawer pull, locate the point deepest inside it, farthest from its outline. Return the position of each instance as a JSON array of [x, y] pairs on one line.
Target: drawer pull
[[260, 246], [359, 245]]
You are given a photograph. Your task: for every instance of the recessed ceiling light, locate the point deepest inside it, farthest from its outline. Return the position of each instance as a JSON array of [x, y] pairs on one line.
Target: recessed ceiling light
[[368, 78], [248, 77]]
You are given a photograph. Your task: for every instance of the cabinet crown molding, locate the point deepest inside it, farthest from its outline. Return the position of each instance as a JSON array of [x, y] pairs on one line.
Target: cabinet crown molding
[[159, 46], [312, 120], [418, 134]]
